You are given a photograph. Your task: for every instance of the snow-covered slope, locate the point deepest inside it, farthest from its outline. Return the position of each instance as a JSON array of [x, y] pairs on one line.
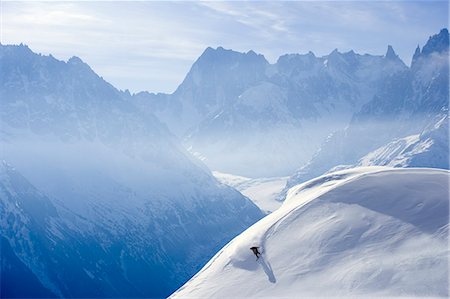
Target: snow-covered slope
[[371, 231], [262, 191], [428, 149], [142, 213]]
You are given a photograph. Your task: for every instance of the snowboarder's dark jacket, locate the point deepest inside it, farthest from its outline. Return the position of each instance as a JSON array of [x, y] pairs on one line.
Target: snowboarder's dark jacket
[[255, 251]]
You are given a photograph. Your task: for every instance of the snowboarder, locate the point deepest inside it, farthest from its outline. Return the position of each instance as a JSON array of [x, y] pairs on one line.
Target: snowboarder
[[255, 252]]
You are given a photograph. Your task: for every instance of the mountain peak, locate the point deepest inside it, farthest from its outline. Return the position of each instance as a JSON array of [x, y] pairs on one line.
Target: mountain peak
[[226, 56], [335, 55], [335, 52], [437, 43], [311, 54], [76, 63], [217, 52], [390, 53], [416, 54], [75, 60], [20, 48], [219, 49], [444, 32]]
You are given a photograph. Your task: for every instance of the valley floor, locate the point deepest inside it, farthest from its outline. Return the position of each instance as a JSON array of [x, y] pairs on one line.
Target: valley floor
[[262, 191]]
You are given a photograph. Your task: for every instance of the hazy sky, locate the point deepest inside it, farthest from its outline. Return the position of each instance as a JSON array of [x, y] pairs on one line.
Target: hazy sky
[[151, 45]]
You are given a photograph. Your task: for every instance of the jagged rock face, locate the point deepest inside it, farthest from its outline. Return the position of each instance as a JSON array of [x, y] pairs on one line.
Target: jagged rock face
[[123, 208], [243, 115], [437, 43], [407, 104], [430, 77], [218, 77], [67, 101]]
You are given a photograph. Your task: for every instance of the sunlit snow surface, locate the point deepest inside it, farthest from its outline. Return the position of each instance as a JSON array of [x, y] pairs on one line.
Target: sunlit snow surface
[[372, 231]]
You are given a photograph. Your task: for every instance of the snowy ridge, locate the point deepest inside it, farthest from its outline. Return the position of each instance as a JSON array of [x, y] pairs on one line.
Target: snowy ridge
[[428, 149], [372, 231]]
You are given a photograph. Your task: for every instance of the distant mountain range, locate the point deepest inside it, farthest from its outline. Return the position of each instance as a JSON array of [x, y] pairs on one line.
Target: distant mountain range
[[245, 116]]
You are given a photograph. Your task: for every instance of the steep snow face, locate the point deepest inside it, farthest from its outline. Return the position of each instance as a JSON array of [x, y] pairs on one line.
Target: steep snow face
[[428, 149], [410, 102], [145, 215], [248, 117], [371, 231]]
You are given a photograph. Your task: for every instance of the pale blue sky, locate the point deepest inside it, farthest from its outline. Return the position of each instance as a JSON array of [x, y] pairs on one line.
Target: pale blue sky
[[151, 45]]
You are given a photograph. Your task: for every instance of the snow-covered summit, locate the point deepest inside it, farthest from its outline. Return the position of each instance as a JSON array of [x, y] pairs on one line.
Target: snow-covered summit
[[390, 53], [371, 231]]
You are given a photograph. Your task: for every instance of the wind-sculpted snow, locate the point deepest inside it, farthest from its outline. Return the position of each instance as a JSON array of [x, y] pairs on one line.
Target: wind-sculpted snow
[[371, 231], [130, 212]]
